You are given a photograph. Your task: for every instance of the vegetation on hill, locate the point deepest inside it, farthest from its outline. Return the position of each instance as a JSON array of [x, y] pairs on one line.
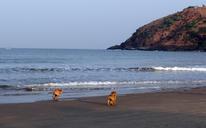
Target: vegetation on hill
[[182, 31]]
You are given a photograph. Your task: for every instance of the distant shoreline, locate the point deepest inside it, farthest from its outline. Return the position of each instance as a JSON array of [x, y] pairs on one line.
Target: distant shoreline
[[98, 49]]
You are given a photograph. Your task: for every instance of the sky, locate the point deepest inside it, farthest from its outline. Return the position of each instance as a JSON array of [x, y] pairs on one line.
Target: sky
[[79, 24]]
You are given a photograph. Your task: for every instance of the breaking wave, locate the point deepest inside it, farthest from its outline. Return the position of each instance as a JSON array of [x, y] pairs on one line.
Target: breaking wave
[[199, 69], [6, 86], [98, 85], [83, 69], [134, 69]]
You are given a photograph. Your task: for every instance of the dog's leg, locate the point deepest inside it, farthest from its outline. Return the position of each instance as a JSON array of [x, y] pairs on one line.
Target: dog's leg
[[108, 102], [55, 98]]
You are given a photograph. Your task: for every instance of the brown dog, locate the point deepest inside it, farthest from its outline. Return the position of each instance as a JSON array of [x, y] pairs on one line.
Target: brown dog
[[57, 93], [112, 99]]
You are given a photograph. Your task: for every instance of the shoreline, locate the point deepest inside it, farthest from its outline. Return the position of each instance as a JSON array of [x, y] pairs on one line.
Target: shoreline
[[168, 90], [173, 109]]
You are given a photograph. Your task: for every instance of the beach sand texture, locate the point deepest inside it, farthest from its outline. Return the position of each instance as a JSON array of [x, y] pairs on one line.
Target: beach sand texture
[[179, 109]]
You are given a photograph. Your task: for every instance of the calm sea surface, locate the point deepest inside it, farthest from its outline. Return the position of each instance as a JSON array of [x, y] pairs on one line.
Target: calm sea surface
[[95, 72]]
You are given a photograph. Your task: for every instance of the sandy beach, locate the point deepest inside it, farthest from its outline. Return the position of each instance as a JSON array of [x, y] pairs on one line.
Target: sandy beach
[[152, 53], [177, 109]]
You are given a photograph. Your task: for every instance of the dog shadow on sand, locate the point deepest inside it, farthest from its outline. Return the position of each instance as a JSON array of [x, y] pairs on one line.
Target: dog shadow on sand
[[92, 102]]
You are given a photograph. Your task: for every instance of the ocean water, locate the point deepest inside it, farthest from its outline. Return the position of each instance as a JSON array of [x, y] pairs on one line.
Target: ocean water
[[28, 75]]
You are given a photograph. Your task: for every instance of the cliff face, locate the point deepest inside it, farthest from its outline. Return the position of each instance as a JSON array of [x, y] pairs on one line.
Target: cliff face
[[182, 31]]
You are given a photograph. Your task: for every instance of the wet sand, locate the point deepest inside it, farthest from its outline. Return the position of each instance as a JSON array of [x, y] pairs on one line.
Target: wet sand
[[176, 109]]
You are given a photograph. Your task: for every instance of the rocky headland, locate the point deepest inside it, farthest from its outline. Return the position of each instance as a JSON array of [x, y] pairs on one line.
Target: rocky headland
[[182, 31]]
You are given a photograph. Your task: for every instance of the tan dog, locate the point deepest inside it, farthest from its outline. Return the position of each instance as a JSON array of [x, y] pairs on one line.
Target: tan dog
[[57, 93], [112, 99]]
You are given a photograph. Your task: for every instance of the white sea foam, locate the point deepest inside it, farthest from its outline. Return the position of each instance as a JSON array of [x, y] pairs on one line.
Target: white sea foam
[[96, 83], [113, 84], [200, 69]]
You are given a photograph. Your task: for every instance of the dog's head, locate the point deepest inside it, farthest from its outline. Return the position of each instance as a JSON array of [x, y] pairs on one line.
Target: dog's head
[[58, 91], [114, 93]]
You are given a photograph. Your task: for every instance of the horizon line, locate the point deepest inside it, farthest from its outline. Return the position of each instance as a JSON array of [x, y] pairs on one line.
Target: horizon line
[[8, 48]]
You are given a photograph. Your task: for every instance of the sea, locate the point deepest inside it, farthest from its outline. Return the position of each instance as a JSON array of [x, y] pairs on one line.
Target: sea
[[30, 75]]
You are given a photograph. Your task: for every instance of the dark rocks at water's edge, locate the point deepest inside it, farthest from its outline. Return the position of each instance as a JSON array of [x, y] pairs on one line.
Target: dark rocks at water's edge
[[182, 31]]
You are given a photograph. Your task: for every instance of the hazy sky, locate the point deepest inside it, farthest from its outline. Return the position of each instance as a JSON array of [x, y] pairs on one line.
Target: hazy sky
[[82, 24]]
